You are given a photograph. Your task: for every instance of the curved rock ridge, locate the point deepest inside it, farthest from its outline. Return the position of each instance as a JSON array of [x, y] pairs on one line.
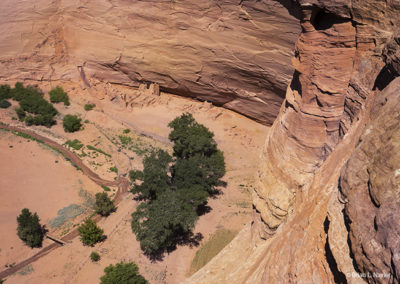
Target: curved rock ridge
[[347, 53], [234, 54], [370, 184]]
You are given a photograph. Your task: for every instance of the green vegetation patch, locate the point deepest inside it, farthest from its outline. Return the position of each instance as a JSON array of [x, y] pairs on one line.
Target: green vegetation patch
[[125, 140], [4, 104], [211, 248], [74, 144], [57, 95], [89, 107], [72, 123], [106, 188], [122, 273], [65, 214], [90, 147]]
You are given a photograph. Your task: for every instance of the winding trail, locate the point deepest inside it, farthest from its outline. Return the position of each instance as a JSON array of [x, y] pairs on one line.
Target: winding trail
[[122, 184]]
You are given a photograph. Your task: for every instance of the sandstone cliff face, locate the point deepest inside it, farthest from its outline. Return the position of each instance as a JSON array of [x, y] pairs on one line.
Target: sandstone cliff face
[[346, 54], [235, 54], [370, 185]]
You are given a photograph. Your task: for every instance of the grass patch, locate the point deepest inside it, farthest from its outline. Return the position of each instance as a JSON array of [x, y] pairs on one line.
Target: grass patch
[[114, 170], [65, 214], [26, 270], [90, 147], [89, 107], [211, 248], [125, 140]]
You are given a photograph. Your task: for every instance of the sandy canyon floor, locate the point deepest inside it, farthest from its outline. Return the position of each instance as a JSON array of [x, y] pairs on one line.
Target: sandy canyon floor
[[36, 177]]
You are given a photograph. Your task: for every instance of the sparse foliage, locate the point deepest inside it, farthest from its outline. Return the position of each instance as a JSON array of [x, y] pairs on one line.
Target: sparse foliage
[[29, 229], [89, 107]]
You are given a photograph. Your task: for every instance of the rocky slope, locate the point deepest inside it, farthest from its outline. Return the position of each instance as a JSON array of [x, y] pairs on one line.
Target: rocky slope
[[235, 54], [347, 53]]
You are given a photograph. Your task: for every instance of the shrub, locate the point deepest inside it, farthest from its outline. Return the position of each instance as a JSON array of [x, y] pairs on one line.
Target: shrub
[[106, 188], [90, 233], [89, 107], [29, 229], [122, 273], [4, 104], [114, 169], [57, 95], [72, 123], [94, 256], [103, 205], [126, 131], [125, 140]]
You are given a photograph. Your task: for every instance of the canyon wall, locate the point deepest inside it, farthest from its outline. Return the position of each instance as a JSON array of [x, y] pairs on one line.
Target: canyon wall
[[235, 54], [304, 230]]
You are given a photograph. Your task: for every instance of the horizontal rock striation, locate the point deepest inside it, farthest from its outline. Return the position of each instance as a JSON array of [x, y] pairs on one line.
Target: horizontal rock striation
[[234, 54]]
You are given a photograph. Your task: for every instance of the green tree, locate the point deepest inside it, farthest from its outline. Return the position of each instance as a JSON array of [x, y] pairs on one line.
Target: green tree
[[122, 273], [57, 95], [155, 175], [29, 229], [90, 233], [158, 224], [190, 138], [104, 205], [5, 92], [72, 123]]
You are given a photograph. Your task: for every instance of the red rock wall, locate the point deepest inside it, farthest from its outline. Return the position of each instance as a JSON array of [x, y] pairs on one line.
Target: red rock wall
[[235, 54]]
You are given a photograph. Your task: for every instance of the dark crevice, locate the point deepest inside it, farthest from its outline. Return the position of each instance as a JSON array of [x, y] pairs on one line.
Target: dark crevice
[[323, 20], [387, 75], [295, 84], [338, 276], [347, 223]]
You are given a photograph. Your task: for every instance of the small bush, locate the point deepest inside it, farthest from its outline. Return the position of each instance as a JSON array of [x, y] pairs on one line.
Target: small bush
[[90, 233], [57, 95], [4, 104], [126, 131], [106, 188], [104, 205], [29, 229], [122, 273], [86, 121], [89, 107], [74, 144], [114, 170], [94, 256], [72, 123]]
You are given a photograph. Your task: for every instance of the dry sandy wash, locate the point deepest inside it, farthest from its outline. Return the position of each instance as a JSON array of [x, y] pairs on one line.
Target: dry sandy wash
[[36, 177]]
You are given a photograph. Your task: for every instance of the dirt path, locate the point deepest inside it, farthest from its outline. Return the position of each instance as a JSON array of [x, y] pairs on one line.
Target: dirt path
[[122, 184]]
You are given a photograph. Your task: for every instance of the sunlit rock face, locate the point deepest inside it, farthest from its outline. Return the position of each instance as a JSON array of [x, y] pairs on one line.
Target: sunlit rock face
[[304, 229], [235, 54]]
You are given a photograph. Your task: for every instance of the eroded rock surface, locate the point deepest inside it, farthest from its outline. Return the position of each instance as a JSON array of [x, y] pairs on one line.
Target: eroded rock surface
[[235, 54], [370, 184]]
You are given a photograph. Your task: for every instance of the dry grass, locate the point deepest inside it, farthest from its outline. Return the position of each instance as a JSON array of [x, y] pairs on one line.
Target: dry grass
[[211, 248]]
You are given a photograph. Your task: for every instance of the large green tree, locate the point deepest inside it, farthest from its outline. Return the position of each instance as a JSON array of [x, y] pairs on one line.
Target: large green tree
[[154, 176], [72, 123], [176, 190], [122, 273], [29, 229]]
